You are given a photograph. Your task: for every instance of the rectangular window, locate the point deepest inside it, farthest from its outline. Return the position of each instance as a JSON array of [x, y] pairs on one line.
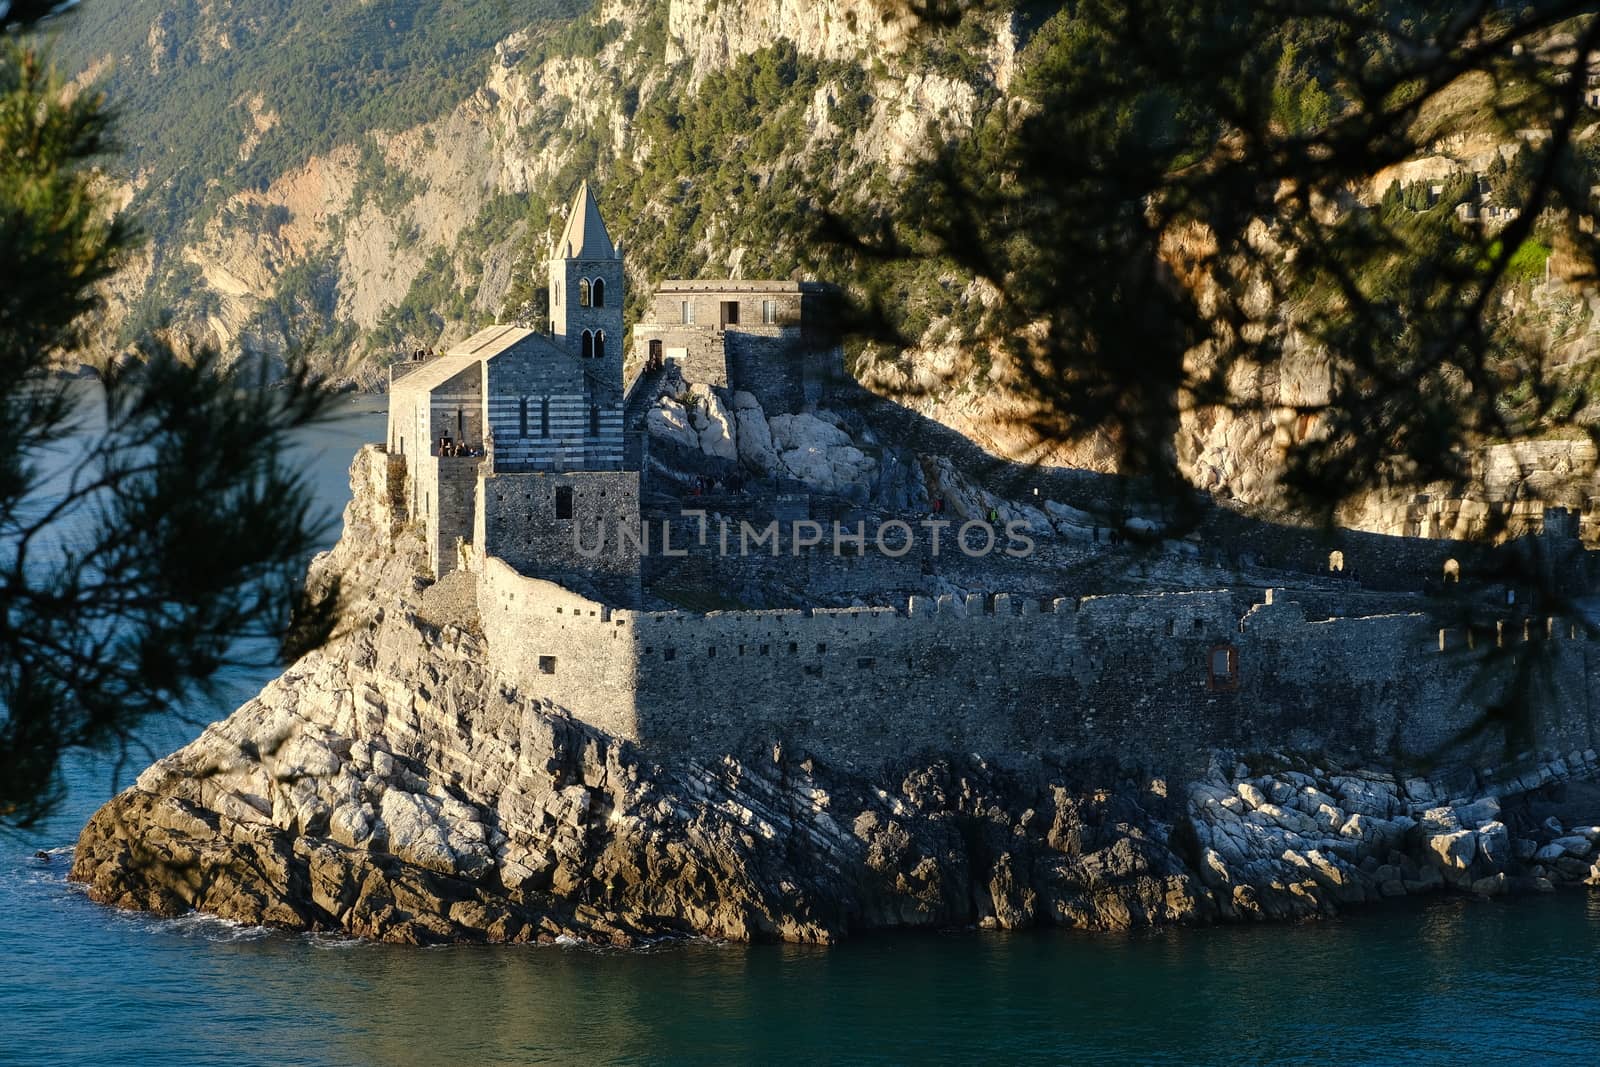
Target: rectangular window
[[1222, 669], [866, 663], [547, 665], [730, 313], [563, 501], [821, 649], [669, 654], [769, 311], [686, 310]]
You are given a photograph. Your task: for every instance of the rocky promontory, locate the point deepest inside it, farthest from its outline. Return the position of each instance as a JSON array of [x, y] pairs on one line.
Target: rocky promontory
[[390, 786]]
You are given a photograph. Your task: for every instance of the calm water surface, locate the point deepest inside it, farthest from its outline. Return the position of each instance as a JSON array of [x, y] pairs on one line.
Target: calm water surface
[[1447, 983]]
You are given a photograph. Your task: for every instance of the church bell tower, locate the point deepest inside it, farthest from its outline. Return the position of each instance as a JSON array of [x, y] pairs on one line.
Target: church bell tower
[[586, 289]]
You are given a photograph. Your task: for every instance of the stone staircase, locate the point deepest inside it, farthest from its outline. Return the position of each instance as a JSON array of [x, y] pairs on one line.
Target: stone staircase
[[642, 393]]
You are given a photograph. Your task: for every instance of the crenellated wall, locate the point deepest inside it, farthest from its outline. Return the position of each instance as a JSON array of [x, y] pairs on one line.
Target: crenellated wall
[[1159, 678]]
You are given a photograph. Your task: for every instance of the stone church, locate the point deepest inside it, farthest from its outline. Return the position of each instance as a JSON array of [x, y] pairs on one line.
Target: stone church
[[515, 434], [518, 442]]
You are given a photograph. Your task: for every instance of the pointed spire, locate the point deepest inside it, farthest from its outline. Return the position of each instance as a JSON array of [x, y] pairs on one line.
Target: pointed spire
[[585, 236]]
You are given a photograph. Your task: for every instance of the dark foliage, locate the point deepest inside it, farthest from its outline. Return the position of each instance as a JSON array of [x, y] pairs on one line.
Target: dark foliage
[[1173, 206], [151, 530]]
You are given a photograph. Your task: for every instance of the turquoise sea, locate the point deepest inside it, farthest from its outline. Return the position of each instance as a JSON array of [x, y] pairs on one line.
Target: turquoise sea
[[1445, 983]]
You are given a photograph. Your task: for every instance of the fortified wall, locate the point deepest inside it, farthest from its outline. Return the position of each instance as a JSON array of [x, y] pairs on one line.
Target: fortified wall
[[1161, 678]]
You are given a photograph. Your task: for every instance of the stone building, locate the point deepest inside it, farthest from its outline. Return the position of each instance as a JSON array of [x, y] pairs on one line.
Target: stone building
[[767, 338], [521, 468], [515, 436], [516, 441]]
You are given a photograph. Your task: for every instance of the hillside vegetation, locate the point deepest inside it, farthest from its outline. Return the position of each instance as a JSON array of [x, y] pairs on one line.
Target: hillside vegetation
[[362, 179]]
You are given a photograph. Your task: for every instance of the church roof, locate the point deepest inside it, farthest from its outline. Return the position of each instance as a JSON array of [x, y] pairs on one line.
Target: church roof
[[585, 236], [486, 344], [491, 341], [434, 373]]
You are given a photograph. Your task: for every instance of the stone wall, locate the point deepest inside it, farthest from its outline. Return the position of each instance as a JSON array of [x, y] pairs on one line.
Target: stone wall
[[569, 647], [519, 523], [778, 345], [1125, 678], [737, 554], [759, 303], [697, 351], [451, 515]]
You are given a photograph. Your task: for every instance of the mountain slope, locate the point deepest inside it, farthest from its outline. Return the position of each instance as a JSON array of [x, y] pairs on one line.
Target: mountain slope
[[364, 189]]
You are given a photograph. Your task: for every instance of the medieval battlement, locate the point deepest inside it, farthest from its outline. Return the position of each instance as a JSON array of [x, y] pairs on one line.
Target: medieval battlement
[[1104, 676], [514, 452]]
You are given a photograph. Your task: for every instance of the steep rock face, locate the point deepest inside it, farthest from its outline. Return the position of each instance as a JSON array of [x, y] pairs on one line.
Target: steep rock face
[[412, 237], [390, 786], [424, 208]]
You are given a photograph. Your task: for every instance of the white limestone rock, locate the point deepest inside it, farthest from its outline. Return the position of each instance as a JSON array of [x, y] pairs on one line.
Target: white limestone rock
[[1475, 815], [850, 466], [669, 421], [1439, 821], [712, 423], [805, 431], [1368, 796], [351, 824], [1251, 794], [754, 435], [1494, 845], [411, 823], [302, 756], [1576, 845]]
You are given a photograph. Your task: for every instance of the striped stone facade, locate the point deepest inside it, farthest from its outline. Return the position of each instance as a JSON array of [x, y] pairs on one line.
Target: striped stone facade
[[509, 403]]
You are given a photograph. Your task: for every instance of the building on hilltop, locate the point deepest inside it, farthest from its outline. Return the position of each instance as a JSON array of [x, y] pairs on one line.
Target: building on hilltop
[[515, 441], [515, 435], [767, 338]]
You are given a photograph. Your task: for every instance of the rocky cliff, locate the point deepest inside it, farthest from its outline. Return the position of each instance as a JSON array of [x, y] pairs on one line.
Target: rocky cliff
[[703, 122], [389, 786]]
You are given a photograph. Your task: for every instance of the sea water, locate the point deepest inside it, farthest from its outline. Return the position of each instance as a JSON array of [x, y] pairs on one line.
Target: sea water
[[1447, 982]]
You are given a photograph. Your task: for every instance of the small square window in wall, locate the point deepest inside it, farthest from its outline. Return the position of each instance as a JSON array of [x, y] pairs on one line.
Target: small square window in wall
[[866, 663], [821, 648], [1222, 669], [711, 653], [669, 654], [794, 648], [547, 665], [765, 649]]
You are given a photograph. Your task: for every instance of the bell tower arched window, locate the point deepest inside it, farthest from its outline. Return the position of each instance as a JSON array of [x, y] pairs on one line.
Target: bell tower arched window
[[594, 420], [544, 417], [583, 293], [599, 293], [587, 345], [599, 344]]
